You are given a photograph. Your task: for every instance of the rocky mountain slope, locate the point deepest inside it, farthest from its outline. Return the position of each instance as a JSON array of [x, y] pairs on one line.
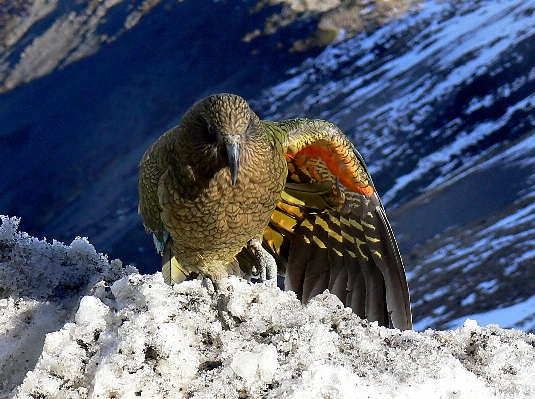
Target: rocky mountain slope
[[438, 99]]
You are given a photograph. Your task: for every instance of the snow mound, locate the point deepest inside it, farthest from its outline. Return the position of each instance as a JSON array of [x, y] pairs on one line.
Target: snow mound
[[41, 284], [134, 336], [142, 338]]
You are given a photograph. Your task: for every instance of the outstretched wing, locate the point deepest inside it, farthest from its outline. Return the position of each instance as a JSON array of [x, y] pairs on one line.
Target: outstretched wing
[[330, 231]]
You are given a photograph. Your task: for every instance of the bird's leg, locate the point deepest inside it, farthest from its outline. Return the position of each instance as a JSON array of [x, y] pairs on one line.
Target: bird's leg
[[267, 267]]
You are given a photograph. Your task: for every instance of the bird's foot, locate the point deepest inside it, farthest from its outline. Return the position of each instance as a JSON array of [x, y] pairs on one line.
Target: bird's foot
[[219, 292], [209, 285], [266, 265]]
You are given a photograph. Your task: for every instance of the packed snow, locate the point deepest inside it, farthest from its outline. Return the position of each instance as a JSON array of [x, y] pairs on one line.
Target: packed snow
[[520, 316], [96, 329]]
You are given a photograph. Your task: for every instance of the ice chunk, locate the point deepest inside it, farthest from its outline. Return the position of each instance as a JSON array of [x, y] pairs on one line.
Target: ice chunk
[[260, 363], [469, 323], [92, 314], [81, 247], [325, 381]]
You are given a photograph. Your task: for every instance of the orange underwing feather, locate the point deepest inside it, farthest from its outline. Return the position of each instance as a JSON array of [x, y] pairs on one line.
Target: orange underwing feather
[[338, 161]]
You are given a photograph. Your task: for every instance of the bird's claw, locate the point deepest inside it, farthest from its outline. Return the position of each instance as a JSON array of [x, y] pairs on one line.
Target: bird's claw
[[266, 265]]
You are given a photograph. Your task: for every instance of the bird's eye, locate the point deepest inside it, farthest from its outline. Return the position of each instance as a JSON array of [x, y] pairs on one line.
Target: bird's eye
[[211, 130]]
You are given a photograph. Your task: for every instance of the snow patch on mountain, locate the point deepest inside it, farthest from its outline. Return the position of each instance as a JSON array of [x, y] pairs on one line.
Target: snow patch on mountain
[[29, 53], [483, 260]]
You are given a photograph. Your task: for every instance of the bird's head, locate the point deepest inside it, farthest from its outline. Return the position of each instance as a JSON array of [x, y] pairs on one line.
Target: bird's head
[[221, 124]]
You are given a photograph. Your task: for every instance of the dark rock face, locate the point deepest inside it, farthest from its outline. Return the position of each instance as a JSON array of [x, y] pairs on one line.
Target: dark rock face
[[439, 102]]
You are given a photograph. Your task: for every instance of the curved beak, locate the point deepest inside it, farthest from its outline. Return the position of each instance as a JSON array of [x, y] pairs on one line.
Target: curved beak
[[233, 152]]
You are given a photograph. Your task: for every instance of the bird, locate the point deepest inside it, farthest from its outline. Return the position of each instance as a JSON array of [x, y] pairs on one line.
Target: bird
[[226, 193]]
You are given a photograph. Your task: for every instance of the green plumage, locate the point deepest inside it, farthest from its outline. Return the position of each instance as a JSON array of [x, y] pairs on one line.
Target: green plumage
[[223, 181]]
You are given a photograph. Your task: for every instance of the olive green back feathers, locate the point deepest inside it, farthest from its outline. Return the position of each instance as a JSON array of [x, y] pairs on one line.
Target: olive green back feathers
[[223, 178]]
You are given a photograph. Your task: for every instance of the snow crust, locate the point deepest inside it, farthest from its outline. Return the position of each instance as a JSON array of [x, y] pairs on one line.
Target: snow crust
[[131, 336], [510, 316]]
